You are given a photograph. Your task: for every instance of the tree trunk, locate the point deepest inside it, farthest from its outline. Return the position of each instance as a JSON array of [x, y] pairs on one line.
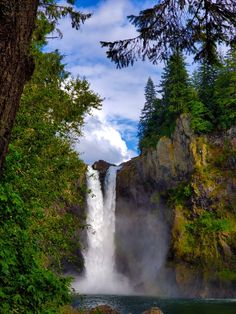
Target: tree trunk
[[17, 19]]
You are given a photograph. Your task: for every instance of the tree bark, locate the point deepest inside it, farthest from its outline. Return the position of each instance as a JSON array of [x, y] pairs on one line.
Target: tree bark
[[17, 20]]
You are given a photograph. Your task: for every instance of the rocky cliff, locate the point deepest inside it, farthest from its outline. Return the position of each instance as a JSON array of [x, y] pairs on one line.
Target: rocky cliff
[[176, 215]]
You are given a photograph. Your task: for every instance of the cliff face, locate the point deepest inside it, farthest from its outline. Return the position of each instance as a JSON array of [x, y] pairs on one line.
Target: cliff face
[[176, 215]]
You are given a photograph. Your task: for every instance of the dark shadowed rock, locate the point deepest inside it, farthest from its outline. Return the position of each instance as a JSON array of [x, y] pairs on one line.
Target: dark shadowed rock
[[153, 310], [102, 166]]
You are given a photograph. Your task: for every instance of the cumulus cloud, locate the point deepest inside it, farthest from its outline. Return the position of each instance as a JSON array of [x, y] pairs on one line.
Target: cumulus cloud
[[102, 141]]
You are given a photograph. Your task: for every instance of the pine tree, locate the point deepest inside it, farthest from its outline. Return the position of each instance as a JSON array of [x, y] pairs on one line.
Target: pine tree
[[159, 115], [148, 109], [225, 91], [204, 80], [175, 85], [179, 96]]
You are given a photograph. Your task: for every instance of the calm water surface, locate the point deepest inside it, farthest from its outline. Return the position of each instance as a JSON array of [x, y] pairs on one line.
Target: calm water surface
[[138, 304]]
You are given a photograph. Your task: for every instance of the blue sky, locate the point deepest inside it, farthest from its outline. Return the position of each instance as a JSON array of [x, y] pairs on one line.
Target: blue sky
[[111, 133], [89, 3]]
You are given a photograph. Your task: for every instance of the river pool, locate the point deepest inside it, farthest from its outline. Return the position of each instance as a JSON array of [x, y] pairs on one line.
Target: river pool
[[138, 304]]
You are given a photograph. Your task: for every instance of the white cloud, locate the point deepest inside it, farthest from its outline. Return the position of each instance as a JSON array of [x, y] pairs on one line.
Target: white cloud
[[122, 89], [102, 141]]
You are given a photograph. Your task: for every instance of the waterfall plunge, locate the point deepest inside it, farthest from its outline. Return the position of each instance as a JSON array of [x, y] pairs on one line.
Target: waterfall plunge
[[101, 276]]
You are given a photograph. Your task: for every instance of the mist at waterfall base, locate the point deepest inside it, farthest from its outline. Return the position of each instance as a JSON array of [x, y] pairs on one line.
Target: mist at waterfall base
[[142, 247], [145, 246]]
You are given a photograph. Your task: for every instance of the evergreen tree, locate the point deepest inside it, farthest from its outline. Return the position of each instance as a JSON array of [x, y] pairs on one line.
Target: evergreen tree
[[175, 85], [159, 116], [204, 80], [154, 126], [178, 96], [148, 109], [225, 91]]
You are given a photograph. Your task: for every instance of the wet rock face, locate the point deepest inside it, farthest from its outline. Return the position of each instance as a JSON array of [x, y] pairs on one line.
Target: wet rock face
[[102, 166], [162, 168], [172, 160]]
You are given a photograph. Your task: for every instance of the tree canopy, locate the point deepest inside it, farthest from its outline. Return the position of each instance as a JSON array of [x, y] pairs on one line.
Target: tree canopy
[[193, 26], [20, 22]]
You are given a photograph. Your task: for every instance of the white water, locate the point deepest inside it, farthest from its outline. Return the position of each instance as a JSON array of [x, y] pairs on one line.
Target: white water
[[101, 276]]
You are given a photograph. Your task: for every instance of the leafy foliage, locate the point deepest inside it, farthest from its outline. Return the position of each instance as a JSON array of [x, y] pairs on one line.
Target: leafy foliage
[[42, 181], [204, 232], [26, 286], [42, 185], [207, 223], [180, 195]]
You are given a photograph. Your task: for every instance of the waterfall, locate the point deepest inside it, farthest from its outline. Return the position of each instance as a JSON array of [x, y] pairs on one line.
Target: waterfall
[[101, 276]]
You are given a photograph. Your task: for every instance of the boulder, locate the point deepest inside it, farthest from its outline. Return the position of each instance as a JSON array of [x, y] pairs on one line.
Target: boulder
[[153, 310], [100, 309], [102, 166]]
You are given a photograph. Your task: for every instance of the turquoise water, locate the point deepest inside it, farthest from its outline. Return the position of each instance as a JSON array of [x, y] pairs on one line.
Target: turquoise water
[[138, 304]]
